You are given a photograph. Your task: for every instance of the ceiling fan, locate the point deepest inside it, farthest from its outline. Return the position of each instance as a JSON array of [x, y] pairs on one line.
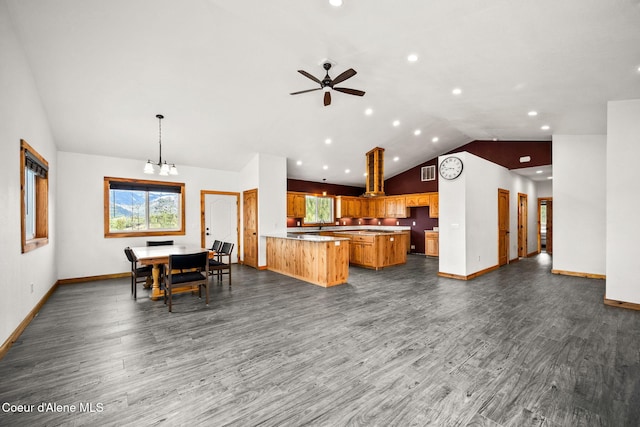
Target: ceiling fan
[[327, 83]]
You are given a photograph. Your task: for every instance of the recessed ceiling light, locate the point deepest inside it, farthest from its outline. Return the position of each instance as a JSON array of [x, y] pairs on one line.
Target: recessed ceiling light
[[396, 122], [335, 3], [412, 57], [364, 174], [299, 162], [549, 177], [545, 127], [435, 139], [347, 171], [456, 91], [368, 111], [495, 139], [325, 167], [417, 132], [327, 141], [639, 69], [532, 113], [396, 158], [538, 171]]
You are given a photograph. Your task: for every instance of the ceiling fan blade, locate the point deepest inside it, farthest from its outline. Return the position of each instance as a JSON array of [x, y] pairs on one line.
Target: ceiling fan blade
[[344, 76], [305, 91], [349, 91], [327, 98], [304, 73]]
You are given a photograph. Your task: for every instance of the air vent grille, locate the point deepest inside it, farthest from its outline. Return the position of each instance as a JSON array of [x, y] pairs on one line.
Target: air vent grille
[[428, 173]]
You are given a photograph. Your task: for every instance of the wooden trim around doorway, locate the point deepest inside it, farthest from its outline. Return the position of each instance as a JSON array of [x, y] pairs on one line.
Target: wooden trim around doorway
[[203, 237]]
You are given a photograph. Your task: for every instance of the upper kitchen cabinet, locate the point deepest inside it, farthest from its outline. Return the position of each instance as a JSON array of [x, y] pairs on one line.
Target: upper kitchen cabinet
[[395, 207], [417, 200], [295, 205], [433, 205], [348, 207]]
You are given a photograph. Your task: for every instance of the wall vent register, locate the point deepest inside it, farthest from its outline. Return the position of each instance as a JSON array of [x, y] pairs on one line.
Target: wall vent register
[[428, 173]]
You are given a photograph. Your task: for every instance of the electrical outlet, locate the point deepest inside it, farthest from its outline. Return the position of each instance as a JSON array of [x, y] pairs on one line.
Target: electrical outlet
[[32, 288], [397, 222], [298, 223], [414, 223], [413, 246]]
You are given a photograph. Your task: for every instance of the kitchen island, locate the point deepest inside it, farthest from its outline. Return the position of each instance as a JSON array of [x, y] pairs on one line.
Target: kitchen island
[[321, 260], [375, 249]]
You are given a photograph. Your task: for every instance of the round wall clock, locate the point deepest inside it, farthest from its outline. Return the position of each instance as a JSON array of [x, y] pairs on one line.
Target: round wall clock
[[451, 168]]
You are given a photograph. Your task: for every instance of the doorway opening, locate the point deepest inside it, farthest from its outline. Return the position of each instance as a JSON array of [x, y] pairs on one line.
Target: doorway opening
[[545, 225]]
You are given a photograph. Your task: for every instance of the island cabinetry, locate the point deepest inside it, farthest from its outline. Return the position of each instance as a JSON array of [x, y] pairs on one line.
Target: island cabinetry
[[433, 205], [320, 260], [431, 243], [296, 205], [362, 251], [376, 250]]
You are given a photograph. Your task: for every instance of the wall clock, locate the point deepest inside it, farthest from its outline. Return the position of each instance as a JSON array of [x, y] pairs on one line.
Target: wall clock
[[451, 168]]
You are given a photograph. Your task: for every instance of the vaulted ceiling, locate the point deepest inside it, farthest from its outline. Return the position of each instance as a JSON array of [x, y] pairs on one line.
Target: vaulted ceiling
[[221, 73]]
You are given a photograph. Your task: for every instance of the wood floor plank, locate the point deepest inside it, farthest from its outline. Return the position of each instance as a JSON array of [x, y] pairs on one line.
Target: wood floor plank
[[396, 347]]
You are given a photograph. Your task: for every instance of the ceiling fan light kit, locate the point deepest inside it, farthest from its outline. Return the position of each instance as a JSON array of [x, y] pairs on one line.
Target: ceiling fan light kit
[[327, 83]]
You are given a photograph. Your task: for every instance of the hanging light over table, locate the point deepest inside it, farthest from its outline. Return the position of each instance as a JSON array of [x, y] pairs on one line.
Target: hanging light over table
[[163, 168]]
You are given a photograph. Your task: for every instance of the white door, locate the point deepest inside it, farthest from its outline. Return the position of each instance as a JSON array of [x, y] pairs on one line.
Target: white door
[[221, 220]]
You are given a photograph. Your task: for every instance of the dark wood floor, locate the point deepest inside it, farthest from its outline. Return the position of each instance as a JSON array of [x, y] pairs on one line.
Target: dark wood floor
[[518, 346]]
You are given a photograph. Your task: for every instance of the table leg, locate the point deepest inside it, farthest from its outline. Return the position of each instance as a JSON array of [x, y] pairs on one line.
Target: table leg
[[156, 293]]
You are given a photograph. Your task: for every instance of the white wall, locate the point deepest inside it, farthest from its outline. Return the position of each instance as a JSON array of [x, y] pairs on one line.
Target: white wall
[[545, 188], [22, 117], [469, 215], [83, 249], [623, 201], [579, 203], [272, 200]]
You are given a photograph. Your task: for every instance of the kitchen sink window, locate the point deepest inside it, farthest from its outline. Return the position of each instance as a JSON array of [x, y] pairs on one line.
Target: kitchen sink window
[[319, 210]]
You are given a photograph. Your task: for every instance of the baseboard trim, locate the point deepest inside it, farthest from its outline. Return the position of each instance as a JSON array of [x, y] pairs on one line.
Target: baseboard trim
[[511, 261], [622, 304], [4, 348], [578, 274], [92, 278], [529, 255], [469, 277]]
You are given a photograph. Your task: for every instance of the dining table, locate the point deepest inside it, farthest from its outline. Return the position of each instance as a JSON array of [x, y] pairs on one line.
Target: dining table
[[156, 256]]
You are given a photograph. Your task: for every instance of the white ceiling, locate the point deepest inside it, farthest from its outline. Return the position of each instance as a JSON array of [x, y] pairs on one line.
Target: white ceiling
[[221, 73]]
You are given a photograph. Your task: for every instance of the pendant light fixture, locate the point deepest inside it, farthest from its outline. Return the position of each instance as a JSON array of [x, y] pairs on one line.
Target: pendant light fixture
[[163, 168]]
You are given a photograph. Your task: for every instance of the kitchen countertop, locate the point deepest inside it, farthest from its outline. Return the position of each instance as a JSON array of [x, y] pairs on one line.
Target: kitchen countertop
[[349, 228], [306, 237], [369, 232]]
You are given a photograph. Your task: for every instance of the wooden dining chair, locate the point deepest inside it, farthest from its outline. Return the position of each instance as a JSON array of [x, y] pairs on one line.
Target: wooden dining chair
[[218, 266], [187, 270], [138, 274]]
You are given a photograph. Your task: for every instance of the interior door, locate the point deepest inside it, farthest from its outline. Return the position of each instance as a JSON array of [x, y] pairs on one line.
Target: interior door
[[250, 215], [503, 226], [523, 206], [549, 226], [222, 220]]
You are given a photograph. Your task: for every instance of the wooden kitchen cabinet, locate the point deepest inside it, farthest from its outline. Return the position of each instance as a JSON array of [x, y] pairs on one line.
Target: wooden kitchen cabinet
[[433, 206], [395, 207], [375, 250], [296, 205], [432, 243], [417, 200], [348, 207]]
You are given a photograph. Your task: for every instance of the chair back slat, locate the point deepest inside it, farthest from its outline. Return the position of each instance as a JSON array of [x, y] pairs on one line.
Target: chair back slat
[[197, 260], [159, 243], [129, 253], [217, 245]]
